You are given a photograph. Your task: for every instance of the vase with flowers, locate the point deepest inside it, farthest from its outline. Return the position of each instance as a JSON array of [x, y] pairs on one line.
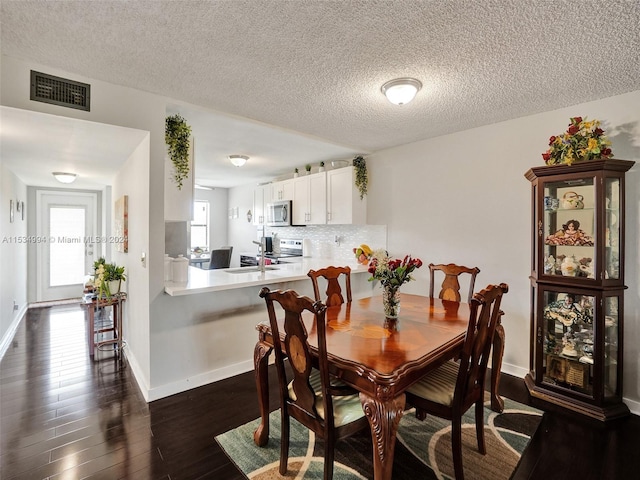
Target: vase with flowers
[[392, 274], [583, 140]]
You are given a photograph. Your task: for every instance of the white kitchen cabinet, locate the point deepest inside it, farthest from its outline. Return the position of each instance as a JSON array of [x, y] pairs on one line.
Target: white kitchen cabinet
[[282, 190], [259, 212], [344, 205], [310, 199]]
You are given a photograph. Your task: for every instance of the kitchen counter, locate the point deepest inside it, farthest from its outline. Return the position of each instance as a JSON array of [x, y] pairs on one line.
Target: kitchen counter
[[204, 281]]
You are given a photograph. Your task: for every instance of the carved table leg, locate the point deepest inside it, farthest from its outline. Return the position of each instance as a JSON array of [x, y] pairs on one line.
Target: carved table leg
[[384, 417], [497, 404], [261, 371]]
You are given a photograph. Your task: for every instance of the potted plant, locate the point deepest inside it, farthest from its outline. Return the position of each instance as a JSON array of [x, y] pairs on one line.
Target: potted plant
[[177, 137], [321, 168], [307, 167], [362, 179], [108, 278], [295, 173]]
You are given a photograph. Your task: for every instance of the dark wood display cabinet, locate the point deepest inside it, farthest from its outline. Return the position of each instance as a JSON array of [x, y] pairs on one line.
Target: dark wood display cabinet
[[577, 286]]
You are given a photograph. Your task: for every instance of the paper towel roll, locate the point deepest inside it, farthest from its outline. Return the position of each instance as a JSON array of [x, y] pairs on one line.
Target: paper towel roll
[[306, 247]]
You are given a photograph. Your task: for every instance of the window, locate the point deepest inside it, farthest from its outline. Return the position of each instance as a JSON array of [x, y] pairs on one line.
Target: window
[[200, 225]]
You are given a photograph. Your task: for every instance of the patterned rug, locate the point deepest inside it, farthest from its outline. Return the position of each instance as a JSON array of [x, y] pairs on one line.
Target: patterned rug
[[423, 449]]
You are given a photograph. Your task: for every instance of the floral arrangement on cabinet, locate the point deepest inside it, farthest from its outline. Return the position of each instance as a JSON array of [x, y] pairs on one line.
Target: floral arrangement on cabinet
[[583, 140]]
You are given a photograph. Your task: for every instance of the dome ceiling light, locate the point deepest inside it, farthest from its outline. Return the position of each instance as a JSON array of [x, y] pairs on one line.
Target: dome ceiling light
[[64, 177], [401, 90], [238, 160]]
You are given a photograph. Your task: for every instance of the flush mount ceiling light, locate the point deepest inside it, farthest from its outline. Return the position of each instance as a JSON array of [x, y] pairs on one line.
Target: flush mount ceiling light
[[401, 90], [63, 177], [238, 160]]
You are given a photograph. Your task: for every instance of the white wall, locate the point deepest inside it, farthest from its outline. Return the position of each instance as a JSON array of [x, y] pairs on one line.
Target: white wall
[[463, 198], [136, 313], [13, 256]]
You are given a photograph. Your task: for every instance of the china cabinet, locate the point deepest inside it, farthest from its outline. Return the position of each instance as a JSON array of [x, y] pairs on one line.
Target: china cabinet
[[577, 282]]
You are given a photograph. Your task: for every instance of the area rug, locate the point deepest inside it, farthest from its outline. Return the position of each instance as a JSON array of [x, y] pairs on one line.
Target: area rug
[[423, 449]]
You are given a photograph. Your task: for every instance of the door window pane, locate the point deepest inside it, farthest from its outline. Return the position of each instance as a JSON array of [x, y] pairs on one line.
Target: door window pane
[[66, 246]]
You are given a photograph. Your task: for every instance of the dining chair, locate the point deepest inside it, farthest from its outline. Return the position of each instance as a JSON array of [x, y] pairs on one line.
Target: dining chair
[[220, 258], [450, 289], [332, 275], [452, 388], [323, 404]]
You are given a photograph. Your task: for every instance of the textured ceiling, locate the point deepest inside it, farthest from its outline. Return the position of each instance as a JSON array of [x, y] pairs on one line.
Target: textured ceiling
[[316, 67]]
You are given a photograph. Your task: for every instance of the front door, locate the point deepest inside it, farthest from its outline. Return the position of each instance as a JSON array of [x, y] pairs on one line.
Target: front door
[[66, 226]]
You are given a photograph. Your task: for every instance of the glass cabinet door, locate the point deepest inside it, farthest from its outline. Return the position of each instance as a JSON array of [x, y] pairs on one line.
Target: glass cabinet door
[[612, 228], [611, 340], [568, 225], [568, 345]]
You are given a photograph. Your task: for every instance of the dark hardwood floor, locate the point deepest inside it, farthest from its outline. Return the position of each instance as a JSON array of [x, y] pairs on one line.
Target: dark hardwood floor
[[64, 416]]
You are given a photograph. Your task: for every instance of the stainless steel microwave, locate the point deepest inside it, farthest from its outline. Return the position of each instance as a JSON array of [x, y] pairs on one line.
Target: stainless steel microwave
[[279, 214]]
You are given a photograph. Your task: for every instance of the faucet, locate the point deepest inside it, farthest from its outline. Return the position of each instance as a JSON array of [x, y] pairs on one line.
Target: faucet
[[263, 246]]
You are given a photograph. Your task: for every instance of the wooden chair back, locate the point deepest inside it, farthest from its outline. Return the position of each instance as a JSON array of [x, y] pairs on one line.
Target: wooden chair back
[[299, 398], [483, 319], [334, 292], [296, 346], [450, 288]]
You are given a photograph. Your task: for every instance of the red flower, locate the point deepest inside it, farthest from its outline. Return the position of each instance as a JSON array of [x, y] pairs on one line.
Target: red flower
[[605, 152], [573, 129], [598, 132], [546, 155], [576, 120], [552, 139]]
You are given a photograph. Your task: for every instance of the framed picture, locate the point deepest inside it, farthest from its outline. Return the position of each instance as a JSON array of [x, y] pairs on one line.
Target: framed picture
[[121, 224], [10, 211]]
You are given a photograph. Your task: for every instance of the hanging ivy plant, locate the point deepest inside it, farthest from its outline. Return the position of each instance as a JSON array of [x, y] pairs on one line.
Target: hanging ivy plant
[[176, 136], [361, 175]]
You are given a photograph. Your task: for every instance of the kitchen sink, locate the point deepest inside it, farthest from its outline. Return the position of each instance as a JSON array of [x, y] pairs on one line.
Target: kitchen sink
[[250, 269]]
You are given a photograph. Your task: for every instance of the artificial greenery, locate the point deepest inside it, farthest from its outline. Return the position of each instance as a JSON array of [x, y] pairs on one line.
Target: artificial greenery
[[307, 167], [176, 136], [322, 164], [362, 179]]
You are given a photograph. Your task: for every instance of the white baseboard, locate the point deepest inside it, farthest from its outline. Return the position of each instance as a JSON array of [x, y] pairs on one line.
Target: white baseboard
[[7, 338], [199, 380], [633, 405], [514, 370], [138, 374]]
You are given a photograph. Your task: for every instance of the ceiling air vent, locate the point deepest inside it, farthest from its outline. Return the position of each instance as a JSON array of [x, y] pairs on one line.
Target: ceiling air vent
[[60, 91]]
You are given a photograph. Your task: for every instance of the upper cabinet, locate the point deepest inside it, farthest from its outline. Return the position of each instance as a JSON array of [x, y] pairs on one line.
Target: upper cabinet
[[344, 205], [279, 191], [310, 199], [260, 194], [321, 198]]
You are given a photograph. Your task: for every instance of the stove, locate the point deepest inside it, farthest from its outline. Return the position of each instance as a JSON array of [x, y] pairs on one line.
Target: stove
[[289, 248]]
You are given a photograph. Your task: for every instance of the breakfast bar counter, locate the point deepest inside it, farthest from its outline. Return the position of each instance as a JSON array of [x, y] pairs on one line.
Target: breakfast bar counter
[[204, 281]]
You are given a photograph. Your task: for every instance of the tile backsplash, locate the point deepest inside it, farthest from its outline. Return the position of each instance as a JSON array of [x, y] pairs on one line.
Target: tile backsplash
[[334, 241]]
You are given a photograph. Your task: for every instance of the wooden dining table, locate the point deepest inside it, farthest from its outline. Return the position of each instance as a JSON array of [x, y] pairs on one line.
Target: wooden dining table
[[380, 358]]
